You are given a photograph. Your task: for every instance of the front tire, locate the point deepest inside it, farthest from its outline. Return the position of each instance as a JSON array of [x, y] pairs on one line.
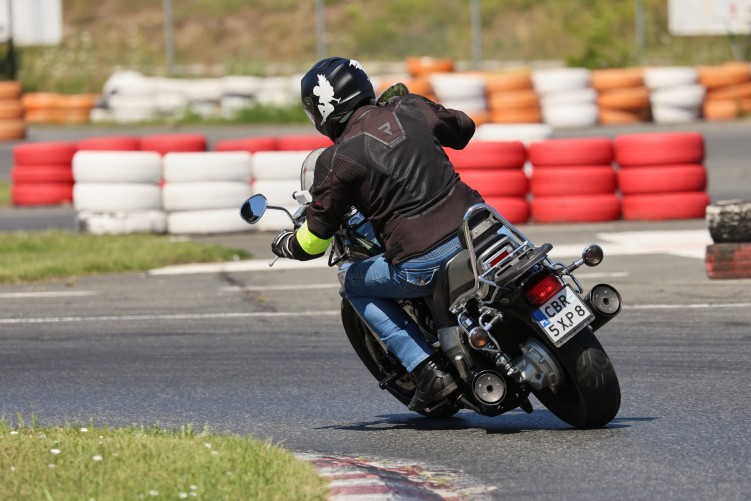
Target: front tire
[[590, 396], [381, 363]]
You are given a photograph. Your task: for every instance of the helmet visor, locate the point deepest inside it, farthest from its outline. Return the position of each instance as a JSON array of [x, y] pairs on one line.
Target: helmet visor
[[309, 115]]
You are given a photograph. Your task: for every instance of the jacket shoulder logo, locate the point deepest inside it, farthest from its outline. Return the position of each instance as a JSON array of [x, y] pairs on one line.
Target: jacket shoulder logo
[[386, 128], [325, 92]]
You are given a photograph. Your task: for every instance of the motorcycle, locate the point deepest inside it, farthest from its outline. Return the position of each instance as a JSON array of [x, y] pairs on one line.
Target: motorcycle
[[506, 320]]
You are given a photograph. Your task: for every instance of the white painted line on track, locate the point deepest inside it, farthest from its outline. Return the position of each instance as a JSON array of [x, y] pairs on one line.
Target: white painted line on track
[[685, 306], [238, 266], [174, 316], [42, 295], [282, 314], [615, 274], [683, 243]]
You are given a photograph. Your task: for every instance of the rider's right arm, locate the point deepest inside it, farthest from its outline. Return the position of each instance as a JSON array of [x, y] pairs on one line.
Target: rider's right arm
[[332, 197], [452, 128]]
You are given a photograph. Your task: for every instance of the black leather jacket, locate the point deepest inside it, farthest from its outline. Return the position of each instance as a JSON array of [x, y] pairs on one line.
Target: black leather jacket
[[389, 163]]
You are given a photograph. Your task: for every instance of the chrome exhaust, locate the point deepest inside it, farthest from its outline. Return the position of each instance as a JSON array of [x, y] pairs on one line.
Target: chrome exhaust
[[605, 302]]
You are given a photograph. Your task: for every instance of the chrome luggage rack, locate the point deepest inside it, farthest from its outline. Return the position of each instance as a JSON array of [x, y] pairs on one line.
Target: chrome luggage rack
[[502, 248]]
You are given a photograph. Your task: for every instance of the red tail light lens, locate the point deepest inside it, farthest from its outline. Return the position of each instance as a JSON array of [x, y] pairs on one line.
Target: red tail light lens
[[542, 288]]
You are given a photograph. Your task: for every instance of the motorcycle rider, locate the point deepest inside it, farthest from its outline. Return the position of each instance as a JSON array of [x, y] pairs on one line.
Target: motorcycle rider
[[387, 161]]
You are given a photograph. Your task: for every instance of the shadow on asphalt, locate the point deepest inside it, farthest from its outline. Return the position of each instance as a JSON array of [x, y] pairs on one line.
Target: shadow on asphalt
[[511, 423]]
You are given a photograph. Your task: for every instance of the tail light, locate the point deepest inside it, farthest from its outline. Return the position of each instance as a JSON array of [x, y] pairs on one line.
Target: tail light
[[542, 288]]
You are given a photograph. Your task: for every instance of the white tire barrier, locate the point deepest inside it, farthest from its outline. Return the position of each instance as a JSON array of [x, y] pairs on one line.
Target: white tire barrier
[[116, 197], [118, 192], [675, 95], [203, 195], [279, 193], [142, 167], [671, 76], [277, 165], [208, 166], [203, 187], [465, 92], [566, 97], [206, 222], [99, 223]]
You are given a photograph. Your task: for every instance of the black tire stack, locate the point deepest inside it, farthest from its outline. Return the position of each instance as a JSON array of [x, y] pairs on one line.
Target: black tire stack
[[729, 225]]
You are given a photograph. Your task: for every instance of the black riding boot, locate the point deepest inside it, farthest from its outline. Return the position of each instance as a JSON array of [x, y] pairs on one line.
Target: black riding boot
[[433, 383]]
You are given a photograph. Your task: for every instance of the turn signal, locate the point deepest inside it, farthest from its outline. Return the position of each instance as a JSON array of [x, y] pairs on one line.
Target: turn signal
[[542, 289], [479, 338]]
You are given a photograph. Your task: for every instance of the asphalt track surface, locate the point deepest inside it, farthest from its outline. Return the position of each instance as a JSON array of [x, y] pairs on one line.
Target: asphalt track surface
[[248, 349]]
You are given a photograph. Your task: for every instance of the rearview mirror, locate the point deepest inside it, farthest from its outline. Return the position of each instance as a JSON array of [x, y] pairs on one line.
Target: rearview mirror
[[253, 208]]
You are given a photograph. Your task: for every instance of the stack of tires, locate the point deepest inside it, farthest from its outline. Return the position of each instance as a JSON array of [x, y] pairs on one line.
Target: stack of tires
[[419, 70], [276, 174], [129, 97], [239, 93], [174, 143], [621, 96], [42, 174], [462, 91], [512, 98], [566, 96], [728, 90], [39, 107], [495, 169], [573, 180], [675, 94], [117, 191], [249, 144], [662, 175], [12, 124], [203, 191], [526, 133], [729, 225]]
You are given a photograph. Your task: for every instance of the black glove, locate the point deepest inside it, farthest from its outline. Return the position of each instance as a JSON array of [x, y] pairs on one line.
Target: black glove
[[282, 244]]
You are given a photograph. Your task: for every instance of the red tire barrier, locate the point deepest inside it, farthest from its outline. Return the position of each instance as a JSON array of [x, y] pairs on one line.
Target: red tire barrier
[[515, 209], [496, 183], [249, 144], [662, 179], [168, 143], [572, 152], [575, 208], [44, 153], [663, 148], [489, 155], [559, 181], [302, 143], [728, 260], [42, 193], [25, 174], [110, 143], [657, 207]]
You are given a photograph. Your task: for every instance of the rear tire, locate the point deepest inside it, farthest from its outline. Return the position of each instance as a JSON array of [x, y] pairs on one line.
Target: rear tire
[[381, 363], [591, 395]]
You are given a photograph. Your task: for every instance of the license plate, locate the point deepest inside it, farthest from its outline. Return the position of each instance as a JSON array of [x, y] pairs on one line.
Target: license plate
[[563, 316]]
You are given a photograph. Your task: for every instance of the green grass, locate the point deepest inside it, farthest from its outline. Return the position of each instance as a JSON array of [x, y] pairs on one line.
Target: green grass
[[76, 462], [26, 256], [4, 194]]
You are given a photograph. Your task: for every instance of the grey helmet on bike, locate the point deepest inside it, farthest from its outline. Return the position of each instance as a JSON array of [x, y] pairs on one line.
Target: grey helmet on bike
[[332, 90]]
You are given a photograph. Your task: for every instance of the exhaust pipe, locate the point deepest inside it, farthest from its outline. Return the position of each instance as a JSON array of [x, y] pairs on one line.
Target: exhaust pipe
[[605, 302]]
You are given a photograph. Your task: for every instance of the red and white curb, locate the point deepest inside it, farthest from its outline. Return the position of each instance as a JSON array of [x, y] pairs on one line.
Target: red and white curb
[[364, 479]]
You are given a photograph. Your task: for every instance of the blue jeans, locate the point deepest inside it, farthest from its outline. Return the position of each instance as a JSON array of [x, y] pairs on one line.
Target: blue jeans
[[371, 285]]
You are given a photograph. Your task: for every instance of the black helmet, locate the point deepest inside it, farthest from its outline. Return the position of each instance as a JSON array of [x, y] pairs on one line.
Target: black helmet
[[332, 90]]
